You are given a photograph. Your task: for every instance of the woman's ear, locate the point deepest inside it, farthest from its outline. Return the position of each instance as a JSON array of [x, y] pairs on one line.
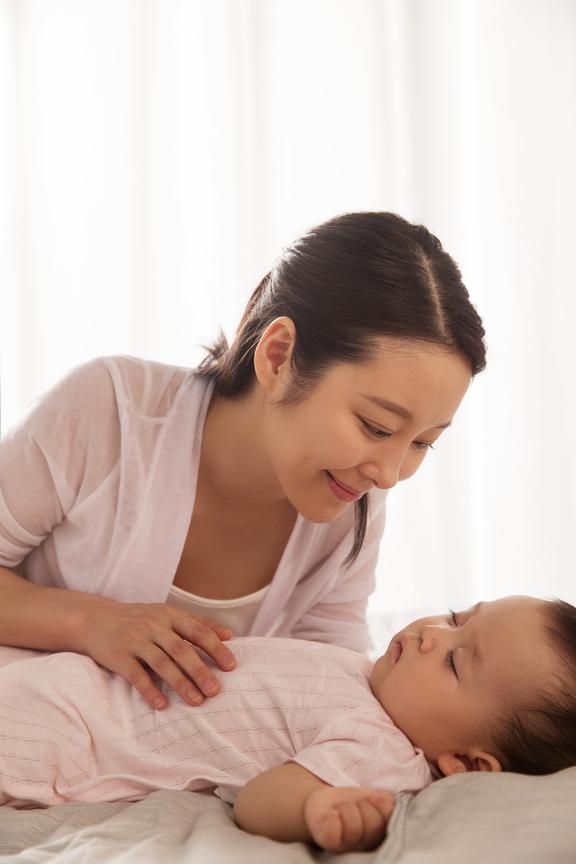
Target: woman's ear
[[475, 760], [273, 353]]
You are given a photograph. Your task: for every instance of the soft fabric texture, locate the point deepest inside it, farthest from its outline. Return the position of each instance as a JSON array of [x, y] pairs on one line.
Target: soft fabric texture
[[237, 613], [466, 819], [73, 731], [97, 486], [486, 818]]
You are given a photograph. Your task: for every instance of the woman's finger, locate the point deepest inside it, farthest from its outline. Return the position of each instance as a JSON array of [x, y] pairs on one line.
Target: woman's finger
[[135, 674], [182, 669], [197, 633], [218, 628]]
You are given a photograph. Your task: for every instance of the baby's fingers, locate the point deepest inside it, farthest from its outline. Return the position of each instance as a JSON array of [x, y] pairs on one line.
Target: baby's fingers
[[327, 833], [352, 824], [374, 825], [384, 802], [360, 826], [340, 829]]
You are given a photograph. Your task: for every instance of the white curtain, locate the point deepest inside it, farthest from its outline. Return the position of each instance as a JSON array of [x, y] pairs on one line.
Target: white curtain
[[155, 156]]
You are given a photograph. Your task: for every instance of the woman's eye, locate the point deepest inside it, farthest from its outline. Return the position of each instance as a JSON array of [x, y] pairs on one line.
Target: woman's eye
[[422, 445], [380, 434], [450, 662], [376, 433], [452, 617]]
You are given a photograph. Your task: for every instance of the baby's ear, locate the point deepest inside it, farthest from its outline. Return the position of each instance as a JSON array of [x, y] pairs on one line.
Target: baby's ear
[[475, 760]]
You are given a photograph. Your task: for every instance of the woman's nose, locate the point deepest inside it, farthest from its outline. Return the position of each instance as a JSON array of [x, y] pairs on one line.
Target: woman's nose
[[385, 472]]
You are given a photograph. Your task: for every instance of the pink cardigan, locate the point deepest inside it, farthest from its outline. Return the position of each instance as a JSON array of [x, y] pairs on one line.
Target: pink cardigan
[[97, 486]]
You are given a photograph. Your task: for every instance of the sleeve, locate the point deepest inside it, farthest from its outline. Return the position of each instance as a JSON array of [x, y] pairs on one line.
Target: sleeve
[[358, 751], [61, 450], [339, 616]]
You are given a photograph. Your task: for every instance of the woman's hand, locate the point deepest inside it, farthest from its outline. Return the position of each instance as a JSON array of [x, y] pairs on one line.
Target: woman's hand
[[125, 636], [346, 819]]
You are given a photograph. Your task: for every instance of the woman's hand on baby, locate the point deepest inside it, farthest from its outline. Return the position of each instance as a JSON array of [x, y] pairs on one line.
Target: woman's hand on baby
[[347, 819], [128, 637]]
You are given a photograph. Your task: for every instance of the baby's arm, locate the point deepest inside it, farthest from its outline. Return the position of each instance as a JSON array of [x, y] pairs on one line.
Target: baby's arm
[[289, 803], [272, 803]]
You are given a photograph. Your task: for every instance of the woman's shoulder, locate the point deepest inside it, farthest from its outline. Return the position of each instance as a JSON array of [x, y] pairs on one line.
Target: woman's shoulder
[[145, 387], [82, 414]]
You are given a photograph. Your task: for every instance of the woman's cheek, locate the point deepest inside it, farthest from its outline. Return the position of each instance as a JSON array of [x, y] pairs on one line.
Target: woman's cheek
[[411, 463]]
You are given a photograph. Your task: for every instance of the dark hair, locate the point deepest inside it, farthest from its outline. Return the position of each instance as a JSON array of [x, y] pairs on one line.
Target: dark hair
[[344, 284], [540, 737]]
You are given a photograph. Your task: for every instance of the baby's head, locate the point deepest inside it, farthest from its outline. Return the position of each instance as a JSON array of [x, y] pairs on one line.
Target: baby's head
[[489, 689]]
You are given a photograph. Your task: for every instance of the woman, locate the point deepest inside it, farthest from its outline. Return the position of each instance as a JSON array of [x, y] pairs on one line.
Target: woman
[[145, 508]]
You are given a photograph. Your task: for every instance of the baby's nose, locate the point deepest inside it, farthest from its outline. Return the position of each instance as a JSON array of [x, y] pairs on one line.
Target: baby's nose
[[431, 636]]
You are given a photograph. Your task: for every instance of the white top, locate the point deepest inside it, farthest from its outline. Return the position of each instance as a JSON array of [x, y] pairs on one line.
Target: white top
[[72, 731], [97, 488], [237, 613]]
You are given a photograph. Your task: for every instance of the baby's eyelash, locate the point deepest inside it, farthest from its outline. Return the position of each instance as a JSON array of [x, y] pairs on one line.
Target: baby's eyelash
[[450, 655], [450, 662]]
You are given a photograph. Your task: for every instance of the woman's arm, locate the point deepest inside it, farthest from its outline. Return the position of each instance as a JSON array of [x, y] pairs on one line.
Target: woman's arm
[[290, 804], [116, 635], [44, 618], [58, 456]]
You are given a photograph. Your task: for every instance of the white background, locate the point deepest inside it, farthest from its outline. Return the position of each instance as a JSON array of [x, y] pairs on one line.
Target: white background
[[156, 155]]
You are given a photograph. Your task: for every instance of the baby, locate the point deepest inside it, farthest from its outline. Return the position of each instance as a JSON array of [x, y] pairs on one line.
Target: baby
[[309, 741]]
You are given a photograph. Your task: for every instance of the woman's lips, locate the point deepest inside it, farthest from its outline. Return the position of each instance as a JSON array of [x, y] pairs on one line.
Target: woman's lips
[[344, 494]]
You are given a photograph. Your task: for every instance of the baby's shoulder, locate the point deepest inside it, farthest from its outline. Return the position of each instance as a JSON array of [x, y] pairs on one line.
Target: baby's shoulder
[[301, 655]]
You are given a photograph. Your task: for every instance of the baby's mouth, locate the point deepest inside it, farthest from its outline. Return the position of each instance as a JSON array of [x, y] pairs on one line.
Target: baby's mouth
[[396, 652]]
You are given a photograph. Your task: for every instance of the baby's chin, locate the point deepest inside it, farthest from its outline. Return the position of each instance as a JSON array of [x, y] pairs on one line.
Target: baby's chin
[[377, 679], [383, 691]]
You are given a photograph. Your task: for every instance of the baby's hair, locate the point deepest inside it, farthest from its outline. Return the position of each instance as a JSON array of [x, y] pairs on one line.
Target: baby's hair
[[540, 737]]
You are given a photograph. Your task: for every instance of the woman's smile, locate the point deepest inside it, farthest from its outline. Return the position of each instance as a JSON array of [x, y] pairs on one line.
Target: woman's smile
[[340, 491]]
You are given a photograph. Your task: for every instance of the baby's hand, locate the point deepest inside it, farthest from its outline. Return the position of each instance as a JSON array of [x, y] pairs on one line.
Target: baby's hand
[[346, 819]]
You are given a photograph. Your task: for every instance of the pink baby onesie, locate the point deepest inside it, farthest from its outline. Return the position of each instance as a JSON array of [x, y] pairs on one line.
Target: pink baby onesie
[[72, 731]]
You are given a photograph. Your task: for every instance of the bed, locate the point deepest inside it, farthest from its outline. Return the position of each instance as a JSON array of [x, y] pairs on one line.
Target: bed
[[463, 819], [475, 819]]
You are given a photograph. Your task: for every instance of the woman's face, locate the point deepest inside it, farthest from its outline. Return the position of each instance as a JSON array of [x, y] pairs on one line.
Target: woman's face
[[363, 425]]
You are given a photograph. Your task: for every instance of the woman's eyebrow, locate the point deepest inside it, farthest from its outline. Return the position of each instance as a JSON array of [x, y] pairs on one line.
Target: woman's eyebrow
[[396, 409]]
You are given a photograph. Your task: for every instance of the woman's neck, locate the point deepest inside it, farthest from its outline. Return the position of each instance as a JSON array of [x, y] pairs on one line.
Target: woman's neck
[[235, 469]]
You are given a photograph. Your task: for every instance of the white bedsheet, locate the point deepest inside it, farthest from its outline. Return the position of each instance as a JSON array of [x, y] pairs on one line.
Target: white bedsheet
[[464, 819], [174, 827]]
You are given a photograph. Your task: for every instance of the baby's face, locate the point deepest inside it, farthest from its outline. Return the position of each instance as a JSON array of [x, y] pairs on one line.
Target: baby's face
[[442, 679]]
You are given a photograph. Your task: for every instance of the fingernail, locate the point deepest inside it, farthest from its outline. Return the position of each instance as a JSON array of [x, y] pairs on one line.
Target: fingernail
[[227, 662], [210, 687], [193, 696], [159, 702]]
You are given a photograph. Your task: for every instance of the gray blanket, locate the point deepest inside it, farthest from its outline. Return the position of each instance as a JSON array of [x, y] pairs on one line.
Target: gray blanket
[[465, 819]]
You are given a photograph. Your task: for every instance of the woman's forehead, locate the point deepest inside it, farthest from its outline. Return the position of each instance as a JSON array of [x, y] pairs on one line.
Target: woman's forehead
[[412, 382]]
